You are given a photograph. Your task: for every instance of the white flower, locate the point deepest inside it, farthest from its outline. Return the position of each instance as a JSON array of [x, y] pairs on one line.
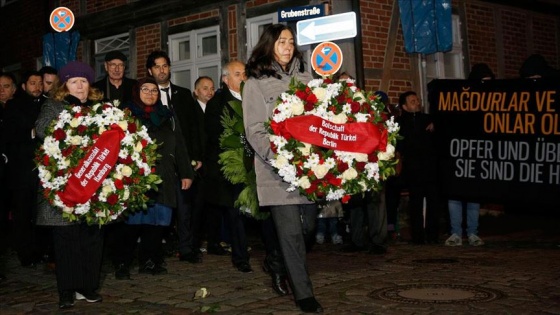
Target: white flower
[[123, 124], [106, 189], [339, 119], [305, 150], [126, 170], [67, 209], [361, 157], [75, 140], [320, 93], [349, 174], [138, 147], [297, 108], [280, 162], [362, 117], [320, 170], [388, 154], [359, 96], [126, 194], [75, 122], [303, 182], [315, 83]]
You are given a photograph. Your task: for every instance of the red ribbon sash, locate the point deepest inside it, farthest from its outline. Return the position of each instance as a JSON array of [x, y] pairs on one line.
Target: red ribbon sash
[[350, 137], [93, 168]]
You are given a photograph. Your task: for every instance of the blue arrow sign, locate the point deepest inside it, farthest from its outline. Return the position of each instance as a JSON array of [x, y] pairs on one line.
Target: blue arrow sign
[[327, 28]]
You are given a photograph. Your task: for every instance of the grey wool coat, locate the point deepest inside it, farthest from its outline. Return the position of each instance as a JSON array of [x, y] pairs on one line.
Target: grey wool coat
[[259, 100]]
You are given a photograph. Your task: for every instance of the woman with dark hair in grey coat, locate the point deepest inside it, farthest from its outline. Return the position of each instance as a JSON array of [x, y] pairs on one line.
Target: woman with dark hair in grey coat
[[273, 63]]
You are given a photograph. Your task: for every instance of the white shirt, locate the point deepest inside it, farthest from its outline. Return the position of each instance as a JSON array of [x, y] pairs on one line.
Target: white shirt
[[202, 105], [163, 96], [237, 95]]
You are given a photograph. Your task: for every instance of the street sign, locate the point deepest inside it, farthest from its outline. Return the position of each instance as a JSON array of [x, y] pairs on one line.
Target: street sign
[[326, 58], [301, 13], [61, 19], [326, 28]]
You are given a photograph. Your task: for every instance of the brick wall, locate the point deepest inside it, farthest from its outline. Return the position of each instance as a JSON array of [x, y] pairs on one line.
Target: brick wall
[[147, 40], [94, 6], [481, 35]]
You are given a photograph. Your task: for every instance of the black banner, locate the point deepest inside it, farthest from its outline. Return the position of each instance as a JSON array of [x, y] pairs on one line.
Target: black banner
[[499, 140]]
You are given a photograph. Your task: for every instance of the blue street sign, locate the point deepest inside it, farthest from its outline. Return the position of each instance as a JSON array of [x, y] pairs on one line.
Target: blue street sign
[[326, 28]]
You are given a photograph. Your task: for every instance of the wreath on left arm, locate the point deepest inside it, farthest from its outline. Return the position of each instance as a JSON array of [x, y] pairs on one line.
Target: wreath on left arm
[[96, 162], [332, 140]]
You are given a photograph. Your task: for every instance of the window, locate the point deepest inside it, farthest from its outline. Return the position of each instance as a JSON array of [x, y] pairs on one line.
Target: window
[[255, 28], [194, 54], [119, 42], [447, 65]]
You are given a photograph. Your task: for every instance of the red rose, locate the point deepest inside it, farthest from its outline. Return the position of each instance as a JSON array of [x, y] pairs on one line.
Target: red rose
[[341, 99], [127, 160], [342, 166], [132, 127], [45, 160], [119, 184], [144, 143], [82, 129], [59, 134], [312, 98], [112, 199], [372, 157], [127, 180], [141, 172], [345, 198], [301, 95], [354, 107], [308, 107], [360, 166]]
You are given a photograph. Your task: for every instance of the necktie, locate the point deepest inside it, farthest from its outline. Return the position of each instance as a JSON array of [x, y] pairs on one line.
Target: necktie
[[166, 90]]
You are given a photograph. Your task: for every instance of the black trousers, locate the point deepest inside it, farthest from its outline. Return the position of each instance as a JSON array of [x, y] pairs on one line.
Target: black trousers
[[23, 205], [190, 207], [150, 247], [420, 231], [78, 251], [238, 236]]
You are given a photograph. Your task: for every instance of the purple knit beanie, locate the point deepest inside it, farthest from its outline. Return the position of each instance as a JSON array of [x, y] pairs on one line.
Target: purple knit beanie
[[75, 69]]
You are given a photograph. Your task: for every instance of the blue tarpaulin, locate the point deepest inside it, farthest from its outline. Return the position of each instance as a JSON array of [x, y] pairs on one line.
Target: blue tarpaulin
[[426, 25], [60, 48]]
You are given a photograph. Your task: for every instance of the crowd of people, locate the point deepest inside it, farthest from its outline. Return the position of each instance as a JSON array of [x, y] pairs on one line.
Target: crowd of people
[[195, 201]]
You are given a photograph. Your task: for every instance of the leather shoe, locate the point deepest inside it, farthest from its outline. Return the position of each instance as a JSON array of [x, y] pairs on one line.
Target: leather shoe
[[217, 250], [309, 305], [192, 257], [244, 267], [279, 282], [122, 272], [66, 299]]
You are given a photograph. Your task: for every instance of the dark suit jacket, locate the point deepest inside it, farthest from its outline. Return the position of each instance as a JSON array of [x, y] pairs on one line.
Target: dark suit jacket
[[184, 107], [218, 190]]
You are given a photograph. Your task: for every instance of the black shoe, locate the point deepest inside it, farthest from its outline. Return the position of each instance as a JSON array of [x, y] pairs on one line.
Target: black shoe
[[244, 267], [192, 257], [309, 305], [217, 250], [122, 272], [353, 248], [152, 268], [66, 299], [91, 297], [279, 282], [376, 249]]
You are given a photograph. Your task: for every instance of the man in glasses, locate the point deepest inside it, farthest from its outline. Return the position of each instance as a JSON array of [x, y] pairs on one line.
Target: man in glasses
[[115, 86]]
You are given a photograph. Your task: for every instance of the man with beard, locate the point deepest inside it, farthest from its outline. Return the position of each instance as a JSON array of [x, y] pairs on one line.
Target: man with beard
[[19, 132], [180, 100]]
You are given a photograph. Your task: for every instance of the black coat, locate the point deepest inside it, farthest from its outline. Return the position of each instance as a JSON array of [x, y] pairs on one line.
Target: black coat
[[417, 149], [184, 106], [125, 90], [218, 190], [174, 163], [20, 141]]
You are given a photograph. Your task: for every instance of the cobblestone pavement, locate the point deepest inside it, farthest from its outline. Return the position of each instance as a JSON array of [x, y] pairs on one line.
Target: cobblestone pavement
[[516, 272]]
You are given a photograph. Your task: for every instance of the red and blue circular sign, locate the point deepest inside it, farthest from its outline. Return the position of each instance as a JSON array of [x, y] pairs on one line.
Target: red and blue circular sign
[[62, 19], [326, 58]]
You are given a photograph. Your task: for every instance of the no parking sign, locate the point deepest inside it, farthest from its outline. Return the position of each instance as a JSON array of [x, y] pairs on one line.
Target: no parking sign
[[326, 58], [61, 19]]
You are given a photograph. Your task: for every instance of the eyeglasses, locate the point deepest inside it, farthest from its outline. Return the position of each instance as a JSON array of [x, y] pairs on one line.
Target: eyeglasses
[[116, 65], [146, 90]]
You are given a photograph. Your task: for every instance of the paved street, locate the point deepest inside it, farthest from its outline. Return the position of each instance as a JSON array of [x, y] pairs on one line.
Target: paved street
[[516, 272]]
